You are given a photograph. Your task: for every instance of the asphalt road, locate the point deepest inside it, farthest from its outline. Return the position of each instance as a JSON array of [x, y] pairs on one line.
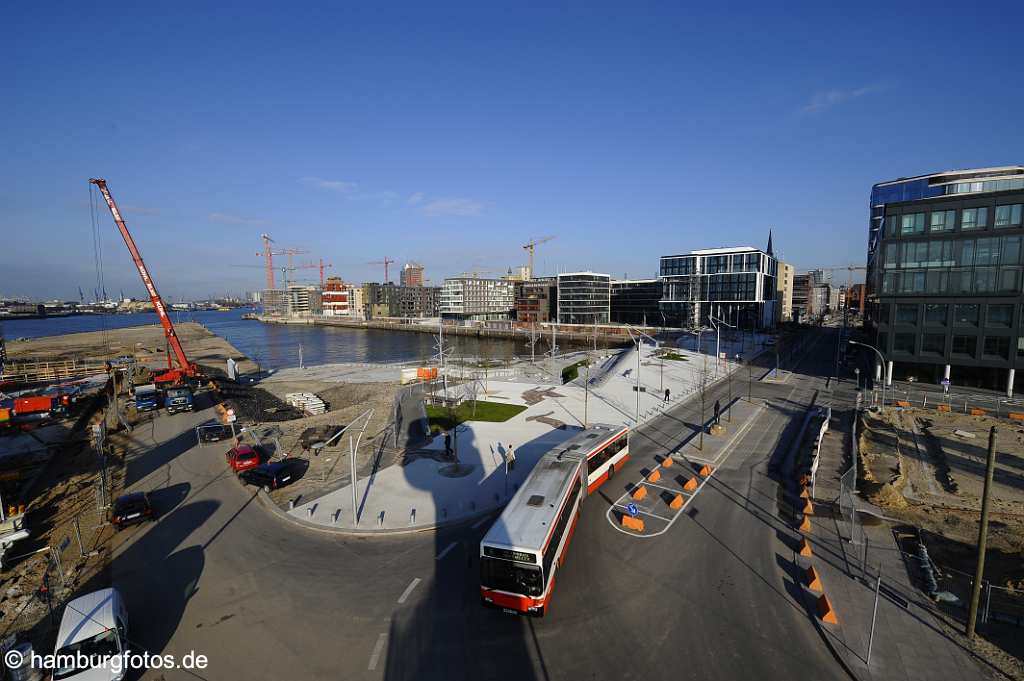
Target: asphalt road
[[714, 598]]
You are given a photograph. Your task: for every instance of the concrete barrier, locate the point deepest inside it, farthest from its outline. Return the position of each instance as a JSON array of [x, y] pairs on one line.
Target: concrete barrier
[[808, 508], [902, 403], [1016, 416], [945, 407], [813, 580], [978, 412], [805, 525], [705, 471], [804, 493], [667, 461], [654, 476], [804, 549], [639, 493], [825, 610], [690, 485], [677, 502], [631, 523]]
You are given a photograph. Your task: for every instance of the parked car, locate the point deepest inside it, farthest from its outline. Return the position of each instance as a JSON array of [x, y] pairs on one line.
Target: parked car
[[131, 509], [272, 475], [214, 432], [94, 626], [243, 458]]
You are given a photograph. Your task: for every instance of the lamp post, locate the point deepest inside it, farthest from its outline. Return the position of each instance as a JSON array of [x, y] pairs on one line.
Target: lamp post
[[881, 358], [638, 337]]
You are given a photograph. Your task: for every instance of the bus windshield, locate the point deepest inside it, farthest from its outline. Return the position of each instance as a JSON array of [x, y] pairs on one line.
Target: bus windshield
[[506, 575]]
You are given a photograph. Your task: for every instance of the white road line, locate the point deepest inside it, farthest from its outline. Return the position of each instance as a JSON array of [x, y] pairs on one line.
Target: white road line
[[408, 590], [378, 648], [643, 512], [445, 552], [675, 490], [479, 522]]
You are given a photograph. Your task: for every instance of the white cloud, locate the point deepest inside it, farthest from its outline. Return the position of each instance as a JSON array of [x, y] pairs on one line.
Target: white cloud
[[827, 99], [340, 186], [453, 207], [383, 197], [228, 219], [417, 198]]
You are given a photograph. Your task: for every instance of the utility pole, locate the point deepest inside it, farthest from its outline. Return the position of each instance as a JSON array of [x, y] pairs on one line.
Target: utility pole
[[703, 382], [982, 533], [586, 396]]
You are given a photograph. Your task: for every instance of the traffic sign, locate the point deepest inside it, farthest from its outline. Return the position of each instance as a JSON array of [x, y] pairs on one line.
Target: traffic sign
[[632, 509]]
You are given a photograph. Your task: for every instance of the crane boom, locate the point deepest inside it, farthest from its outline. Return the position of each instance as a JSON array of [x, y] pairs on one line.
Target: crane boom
[[185, 368]]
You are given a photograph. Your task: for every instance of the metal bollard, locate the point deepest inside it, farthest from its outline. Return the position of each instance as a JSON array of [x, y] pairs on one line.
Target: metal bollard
[[291, 504], [412, 517], [380, 519], [336, 517]]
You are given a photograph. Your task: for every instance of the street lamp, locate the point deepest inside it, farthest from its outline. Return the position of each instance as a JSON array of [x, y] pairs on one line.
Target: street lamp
[[881, 358], [638, 338]]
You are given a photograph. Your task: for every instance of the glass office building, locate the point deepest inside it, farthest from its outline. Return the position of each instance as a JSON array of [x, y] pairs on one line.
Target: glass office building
[[944, 279], [636, 301], [736, 285], [584, 298]]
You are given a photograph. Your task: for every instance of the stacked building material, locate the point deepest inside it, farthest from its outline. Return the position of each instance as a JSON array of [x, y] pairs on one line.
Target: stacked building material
[[308, 402]]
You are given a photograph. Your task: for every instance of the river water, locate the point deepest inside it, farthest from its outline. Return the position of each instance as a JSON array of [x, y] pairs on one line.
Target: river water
[[277, 345]]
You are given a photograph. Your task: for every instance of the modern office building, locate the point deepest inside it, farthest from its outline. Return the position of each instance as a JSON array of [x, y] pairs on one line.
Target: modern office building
[[944, 275], [584, 298], [784, 292], [335, 298], [537, 301], [736, 285], [476, 299], [415, 301], [636, 301], [274, 302], [411, 274]]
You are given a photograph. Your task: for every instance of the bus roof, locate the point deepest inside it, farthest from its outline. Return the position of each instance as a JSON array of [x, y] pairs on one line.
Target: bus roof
[[589, 438], [531, 513]]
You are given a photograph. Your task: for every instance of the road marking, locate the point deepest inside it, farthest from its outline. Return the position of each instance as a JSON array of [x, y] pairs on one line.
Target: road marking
[[479, 522], [667, 489], [643, 512], [378, 648], [445, 552], [408, 590]]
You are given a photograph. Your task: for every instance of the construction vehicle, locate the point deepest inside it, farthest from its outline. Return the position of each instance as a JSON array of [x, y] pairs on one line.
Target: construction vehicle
[[185, 370]]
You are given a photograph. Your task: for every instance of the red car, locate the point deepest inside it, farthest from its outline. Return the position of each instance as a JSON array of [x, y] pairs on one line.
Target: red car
[[242, 458]]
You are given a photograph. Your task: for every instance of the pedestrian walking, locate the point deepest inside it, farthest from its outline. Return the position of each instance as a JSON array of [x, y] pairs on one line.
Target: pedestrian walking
[[511, 457], [668, 393], [718, 411], [448, 444]]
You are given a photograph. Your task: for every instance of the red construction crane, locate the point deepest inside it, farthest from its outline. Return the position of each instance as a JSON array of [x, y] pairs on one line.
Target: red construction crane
[[386, 261], [268, 258], [185, 369]]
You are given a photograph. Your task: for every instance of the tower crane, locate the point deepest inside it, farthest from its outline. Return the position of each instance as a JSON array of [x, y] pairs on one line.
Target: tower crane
[[386, 262], [185, 368], [530, 247], [268, 257]]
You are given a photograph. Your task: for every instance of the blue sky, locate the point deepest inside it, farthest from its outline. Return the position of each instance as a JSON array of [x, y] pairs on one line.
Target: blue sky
[[451, 134]]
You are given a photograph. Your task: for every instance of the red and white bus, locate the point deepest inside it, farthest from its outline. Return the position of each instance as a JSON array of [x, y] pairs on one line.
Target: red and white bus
[[521, 553]]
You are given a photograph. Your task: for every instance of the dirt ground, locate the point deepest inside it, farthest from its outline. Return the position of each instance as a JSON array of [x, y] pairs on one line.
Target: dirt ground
[[147, 343], [346, 401], [918, 470]]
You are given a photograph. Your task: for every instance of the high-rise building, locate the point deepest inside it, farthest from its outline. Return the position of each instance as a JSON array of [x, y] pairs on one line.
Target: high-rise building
[[537, 301], [476, 299], [636, 301], [944, 275], [784, 292], [736, 285], [411, 274], [584, 298]]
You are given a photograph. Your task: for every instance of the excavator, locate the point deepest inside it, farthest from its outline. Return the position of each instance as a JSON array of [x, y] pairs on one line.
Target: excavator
[[185, 372]]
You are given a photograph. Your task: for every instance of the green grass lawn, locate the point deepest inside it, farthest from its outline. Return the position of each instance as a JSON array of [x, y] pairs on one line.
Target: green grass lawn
[[674, 356], [441, 418], [571, 372]]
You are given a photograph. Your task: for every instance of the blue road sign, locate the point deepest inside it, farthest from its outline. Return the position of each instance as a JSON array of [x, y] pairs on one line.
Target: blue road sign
[[632, 509]]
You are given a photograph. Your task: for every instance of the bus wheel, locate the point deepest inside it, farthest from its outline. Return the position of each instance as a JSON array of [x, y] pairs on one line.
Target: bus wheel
[[611, 471]]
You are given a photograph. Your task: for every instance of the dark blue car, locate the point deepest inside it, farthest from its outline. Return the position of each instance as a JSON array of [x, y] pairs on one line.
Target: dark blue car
[[273, 475]]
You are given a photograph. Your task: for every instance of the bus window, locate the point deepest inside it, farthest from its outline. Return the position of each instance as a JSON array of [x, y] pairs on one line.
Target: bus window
[[506, 575]]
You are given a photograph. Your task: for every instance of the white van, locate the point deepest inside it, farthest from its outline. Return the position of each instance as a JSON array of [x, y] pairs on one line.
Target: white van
[[96, 625]]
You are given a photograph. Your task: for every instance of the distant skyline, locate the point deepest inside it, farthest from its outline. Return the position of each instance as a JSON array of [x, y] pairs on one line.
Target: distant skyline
[[450, 135]]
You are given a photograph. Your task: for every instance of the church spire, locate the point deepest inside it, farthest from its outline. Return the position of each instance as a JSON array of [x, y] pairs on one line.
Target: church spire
[[769, 251]]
